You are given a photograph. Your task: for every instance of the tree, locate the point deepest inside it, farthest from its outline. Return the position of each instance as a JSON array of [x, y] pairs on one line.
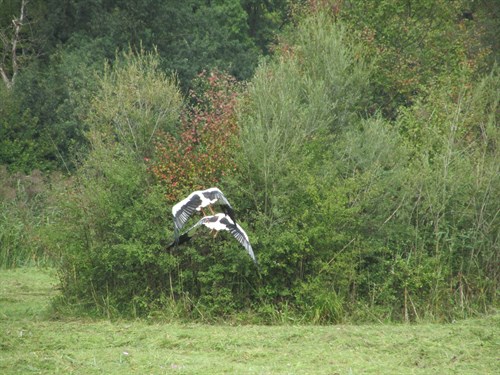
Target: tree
[[135, 102], [14, 46], [265, 19], [190, 35], [414, 44]]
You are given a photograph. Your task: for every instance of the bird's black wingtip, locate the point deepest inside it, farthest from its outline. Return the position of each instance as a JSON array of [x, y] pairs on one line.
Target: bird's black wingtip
[[179, 240], [229, 212]]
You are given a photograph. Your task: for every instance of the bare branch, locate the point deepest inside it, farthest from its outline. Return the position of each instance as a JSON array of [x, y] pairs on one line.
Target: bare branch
[[17, 25], [5, 78]]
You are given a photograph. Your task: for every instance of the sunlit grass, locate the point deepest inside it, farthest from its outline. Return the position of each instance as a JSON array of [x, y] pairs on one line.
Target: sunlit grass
[[31, 341]]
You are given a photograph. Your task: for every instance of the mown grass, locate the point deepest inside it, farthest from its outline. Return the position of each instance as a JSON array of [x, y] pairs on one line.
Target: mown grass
[[32, 340]]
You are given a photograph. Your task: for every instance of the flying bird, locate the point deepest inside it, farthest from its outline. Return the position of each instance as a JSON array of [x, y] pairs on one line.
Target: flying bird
[[196, 202], [217, 223]]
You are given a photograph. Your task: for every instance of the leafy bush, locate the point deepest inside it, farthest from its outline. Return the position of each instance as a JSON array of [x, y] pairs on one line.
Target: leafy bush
[[371, 220], [456, 193], [295, 106], [111, 229], [210, 275], [295, 103], [111, 219], [135, 101], [114, 223], [204, 150], [19, 133]]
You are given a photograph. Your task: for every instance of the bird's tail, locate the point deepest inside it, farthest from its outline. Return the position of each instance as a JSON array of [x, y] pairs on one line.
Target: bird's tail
[[179, 240]]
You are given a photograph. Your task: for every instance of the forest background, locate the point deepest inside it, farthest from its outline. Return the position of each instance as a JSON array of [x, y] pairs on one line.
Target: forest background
[[356, 140]]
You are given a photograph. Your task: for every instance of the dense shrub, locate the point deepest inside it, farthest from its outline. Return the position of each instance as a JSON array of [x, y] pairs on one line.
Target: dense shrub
[[372, 219], [110, 229], [135, 102], [296, 105], [111, 219], [20, 143], [204, 150], [211, 275], [455, 194]]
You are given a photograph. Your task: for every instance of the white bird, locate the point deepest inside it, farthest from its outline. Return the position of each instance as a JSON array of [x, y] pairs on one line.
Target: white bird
[[196, 201], [220, 222]]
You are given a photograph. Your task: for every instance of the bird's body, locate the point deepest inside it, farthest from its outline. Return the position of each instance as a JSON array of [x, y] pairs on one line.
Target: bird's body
[[220, 222], [195, 202]]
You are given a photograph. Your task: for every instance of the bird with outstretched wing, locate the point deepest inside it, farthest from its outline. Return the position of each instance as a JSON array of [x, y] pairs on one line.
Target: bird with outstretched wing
[[196, 202], [217, 223]]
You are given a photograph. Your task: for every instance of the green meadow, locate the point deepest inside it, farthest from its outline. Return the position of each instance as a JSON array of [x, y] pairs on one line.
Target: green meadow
[[36, 340]]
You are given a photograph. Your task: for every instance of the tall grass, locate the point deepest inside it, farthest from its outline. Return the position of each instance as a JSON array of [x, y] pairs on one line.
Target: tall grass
[[22, 216]]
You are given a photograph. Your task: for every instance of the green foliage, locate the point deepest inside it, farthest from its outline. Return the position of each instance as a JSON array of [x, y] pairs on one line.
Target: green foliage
[[46, 134], [134, 102], [413, 44], [370, 219], [320, 302], [190, 35], [295, 107], [110, 223], [388, 217], [22, 213], [426, 207], [294, 101], [63, 43], [207, 35], [265, 19], [110, 230], [486, 13], [456, 191], [204, 150], [18, 130]]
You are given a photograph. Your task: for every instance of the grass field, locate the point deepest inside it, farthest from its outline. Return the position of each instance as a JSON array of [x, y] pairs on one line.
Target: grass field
[[31, 341]]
